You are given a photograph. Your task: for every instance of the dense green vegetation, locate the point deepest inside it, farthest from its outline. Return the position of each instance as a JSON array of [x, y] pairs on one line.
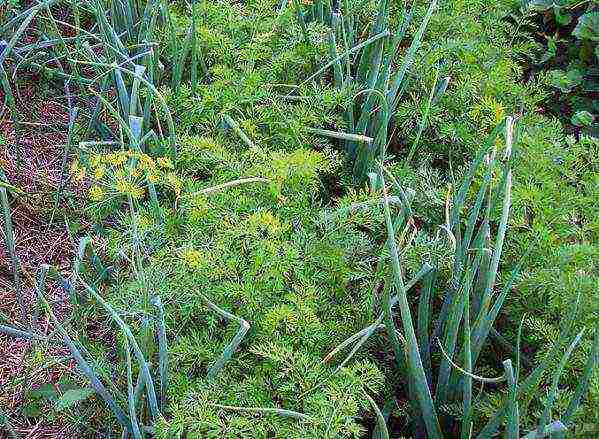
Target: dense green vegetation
[[555, 181], [300, 221], [569, 34]]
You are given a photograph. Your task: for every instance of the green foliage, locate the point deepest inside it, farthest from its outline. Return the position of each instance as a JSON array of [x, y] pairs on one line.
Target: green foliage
[[582, 119], [269, 264], [54, 399], [554, 207], [271, 270], [72, 397], [554, 185], [367, 65], [587, 27], [471, 43], [469, 292], [571, 55]]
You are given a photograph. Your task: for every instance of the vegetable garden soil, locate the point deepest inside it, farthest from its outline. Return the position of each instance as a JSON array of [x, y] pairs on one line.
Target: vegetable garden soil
[[40, 237]]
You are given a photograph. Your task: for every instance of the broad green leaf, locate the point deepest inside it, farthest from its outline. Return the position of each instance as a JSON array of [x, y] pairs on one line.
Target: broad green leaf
[[582, 119], [551, 51], [563, 81], [587, 27], [45, 391], [73, 397], [31, 410], [562, 18], [537, 5]]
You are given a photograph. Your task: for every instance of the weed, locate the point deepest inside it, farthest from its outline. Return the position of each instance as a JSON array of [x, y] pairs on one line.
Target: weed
[[571, 51]]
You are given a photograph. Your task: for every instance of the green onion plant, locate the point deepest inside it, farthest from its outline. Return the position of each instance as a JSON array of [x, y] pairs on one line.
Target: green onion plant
[[9, 239], [437, 353], [377, 67]]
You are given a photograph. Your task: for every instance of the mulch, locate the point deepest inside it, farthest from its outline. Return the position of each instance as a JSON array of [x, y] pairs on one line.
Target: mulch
[[41, 237]]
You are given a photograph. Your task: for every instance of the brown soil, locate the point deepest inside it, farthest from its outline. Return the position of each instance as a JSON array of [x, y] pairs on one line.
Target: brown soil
[[40, 237]]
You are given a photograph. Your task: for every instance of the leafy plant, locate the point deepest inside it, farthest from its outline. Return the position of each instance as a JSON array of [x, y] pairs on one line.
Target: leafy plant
[[572, 54]]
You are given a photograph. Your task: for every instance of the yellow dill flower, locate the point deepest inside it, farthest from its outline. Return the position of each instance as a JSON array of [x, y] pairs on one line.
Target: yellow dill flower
[[109, 158], [266, 221], [116, 158], [144, 222], [192, 258], [122, 186], [174, 183], [135, 173], [165, 162], [95, 160], [153, 177], [146, 162], [121, 158], [137, 192], [96, 193], [99, 172]]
